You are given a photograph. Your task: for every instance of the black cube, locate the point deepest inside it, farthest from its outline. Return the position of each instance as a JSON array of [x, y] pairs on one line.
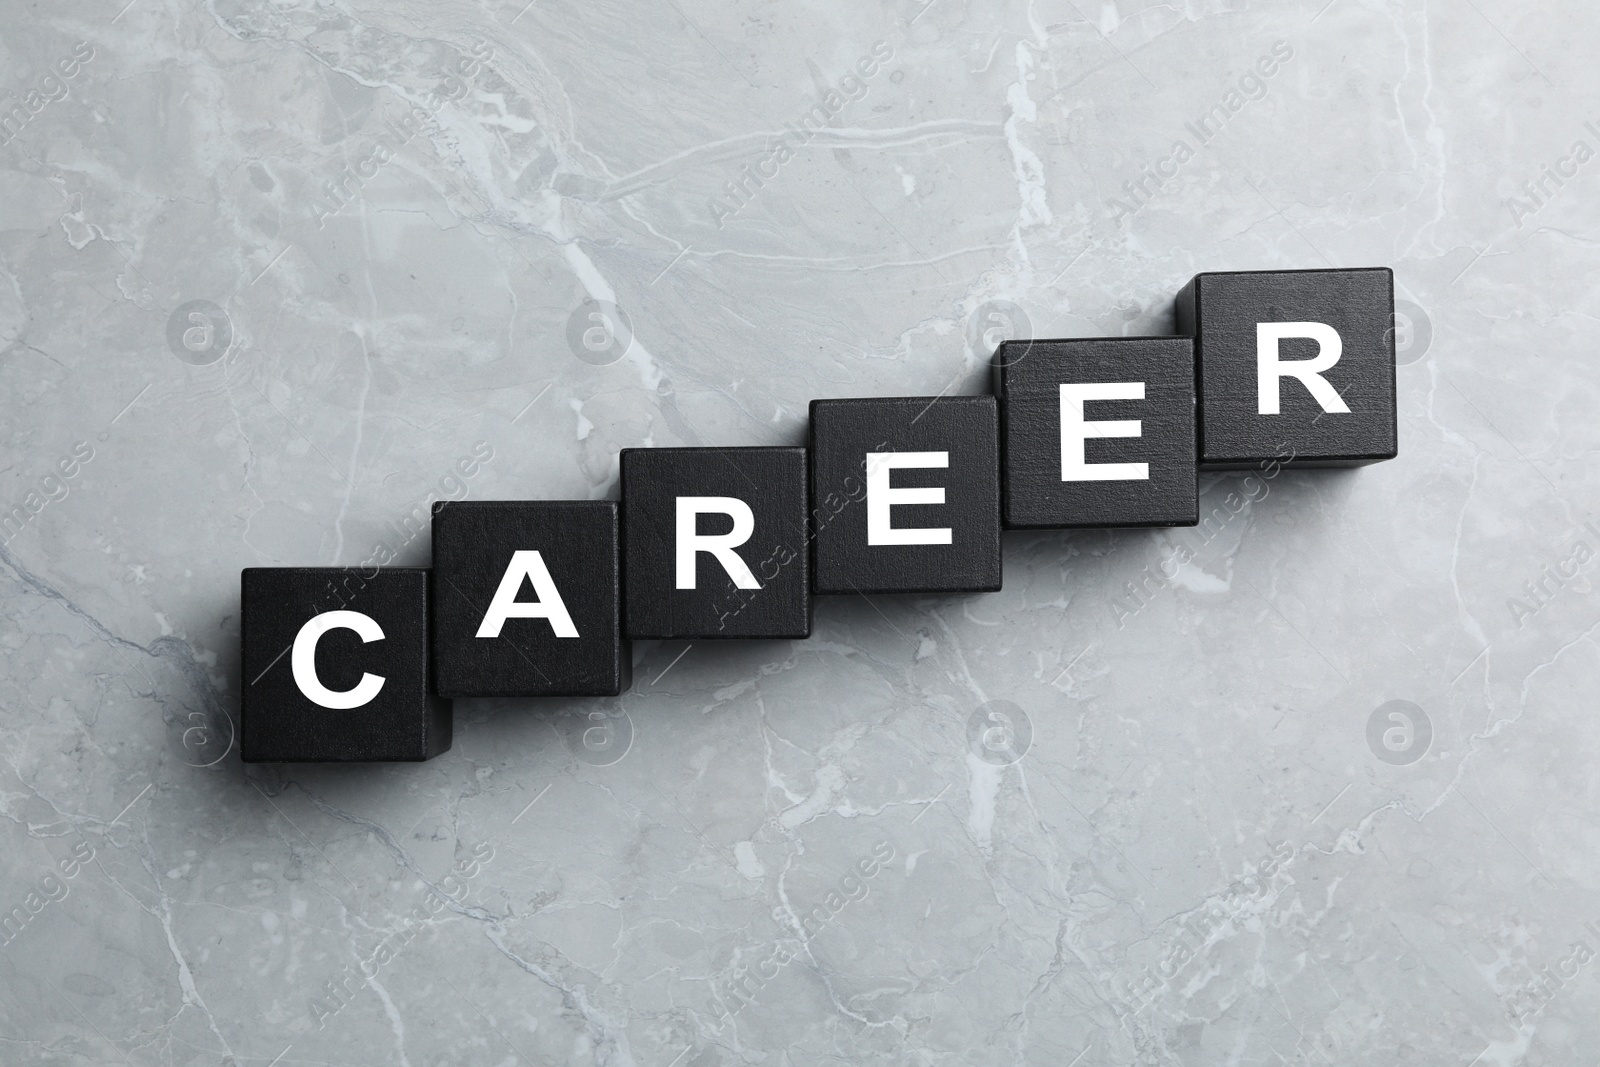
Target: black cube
[[528, 599], [906, 495], [1097, 432], [336, 666], [1294, 367], [714, 543]]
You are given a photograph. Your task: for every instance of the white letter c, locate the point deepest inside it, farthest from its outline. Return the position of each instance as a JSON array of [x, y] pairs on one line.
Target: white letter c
[[303, 660]]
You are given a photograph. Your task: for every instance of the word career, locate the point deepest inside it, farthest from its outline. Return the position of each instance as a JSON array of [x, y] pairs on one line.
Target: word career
[[901, 495]]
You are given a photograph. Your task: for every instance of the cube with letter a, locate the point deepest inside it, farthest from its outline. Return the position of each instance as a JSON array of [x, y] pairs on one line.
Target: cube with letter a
[[1294, 367], [906, 495], [1097, 432], [527, 599]]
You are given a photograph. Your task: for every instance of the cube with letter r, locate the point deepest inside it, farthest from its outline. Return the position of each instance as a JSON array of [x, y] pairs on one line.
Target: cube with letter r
[[714, 543], [336, 666], [1293, 366], [528, 599]]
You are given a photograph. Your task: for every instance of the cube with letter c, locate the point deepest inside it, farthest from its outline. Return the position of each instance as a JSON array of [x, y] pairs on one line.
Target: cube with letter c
[[336, 666]]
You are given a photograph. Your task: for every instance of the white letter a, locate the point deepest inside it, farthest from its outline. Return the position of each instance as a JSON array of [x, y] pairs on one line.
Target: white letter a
[[528, 565]]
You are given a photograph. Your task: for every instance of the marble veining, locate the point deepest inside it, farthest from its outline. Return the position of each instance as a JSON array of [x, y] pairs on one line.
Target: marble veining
[[1323, 794]]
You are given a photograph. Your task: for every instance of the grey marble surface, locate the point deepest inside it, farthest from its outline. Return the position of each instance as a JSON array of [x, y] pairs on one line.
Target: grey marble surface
[[1201, 834]]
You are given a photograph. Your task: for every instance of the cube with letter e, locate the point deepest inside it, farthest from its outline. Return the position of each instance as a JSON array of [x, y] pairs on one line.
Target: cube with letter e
[[927, 516], [1097, 432]]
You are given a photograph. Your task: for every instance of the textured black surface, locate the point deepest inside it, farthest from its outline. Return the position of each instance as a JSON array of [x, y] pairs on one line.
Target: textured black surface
[[843, 432], [279, 724], [1222, 311], [772, 481], [579, 543], [1028, 376]]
